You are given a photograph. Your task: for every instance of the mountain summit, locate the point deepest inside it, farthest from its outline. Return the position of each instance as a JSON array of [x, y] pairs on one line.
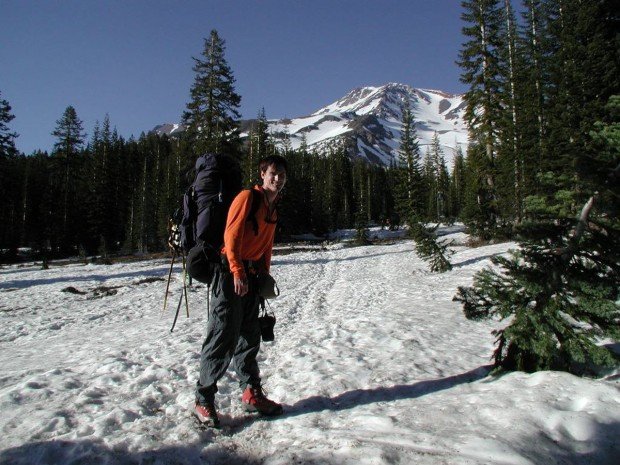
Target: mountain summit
[[368, 120]]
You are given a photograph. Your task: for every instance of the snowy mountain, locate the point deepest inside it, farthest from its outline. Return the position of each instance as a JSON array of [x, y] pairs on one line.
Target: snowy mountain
[[369, 121], [169, 129]]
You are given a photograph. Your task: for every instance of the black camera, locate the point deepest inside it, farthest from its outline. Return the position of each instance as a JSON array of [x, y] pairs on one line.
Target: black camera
[[267, 322]]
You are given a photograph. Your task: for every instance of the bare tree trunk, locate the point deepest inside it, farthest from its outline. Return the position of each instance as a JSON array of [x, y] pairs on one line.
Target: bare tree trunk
[[487, 110], [515, 146], [143, 240], [537, 77]]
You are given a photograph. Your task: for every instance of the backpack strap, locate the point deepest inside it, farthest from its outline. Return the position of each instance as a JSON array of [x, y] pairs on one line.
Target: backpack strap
[[257, 198]]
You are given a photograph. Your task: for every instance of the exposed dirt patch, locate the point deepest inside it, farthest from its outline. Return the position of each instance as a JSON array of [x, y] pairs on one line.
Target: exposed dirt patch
[[73, 290]]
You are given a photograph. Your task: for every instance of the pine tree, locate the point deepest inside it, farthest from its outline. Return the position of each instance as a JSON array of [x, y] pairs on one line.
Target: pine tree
[[307, 186], [94, 209], [37, 221], [132, 181], [560, 290], [69, 132], [409, 188], [457, 185], [148, 208], [429, 248], [319, 171], [117, 198], [381, 200], [427, 245], [101, 191], [361, 229], [9, 176], [70, 140], [262, 135], [532, 76], [362, 195], [480, 59], [510, 164], [286, 144], [429, 179], [212, 114], [476, 198], [435, 179], [583, 73], [7, 138], [441, 182], [169, 187], [339, 193], [258, 147], [294, 207]]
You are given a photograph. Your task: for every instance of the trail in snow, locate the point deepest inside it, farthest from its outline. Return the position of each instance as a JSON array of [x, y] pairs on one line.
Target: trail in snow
[[374, 362]]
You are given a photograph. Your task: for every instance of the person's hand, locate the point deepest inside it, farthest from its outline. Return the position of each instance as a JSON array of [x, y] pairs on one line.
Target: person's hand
[[241, 286]]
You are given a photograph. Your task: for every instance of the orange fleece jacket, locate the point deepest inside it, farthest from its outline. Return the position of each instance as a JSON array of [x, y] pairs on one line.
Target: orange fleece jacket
[[240, 243]]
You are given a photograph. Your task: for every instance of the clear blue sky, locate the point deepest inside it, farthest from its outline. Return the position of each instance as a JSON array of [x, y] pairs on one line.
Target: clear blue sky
[[132, 59]]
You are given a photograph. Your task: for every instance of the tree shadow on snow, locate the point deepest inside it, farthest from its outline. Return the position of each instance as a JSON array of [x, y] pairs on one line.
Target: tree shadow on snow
[[357, 397], [91, 452], [26, 283], [471, 261]]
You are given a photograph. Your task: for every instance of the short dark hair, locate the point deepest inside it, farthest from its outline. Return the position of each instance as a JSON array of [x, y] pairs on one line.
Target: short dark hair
[[278, 161]]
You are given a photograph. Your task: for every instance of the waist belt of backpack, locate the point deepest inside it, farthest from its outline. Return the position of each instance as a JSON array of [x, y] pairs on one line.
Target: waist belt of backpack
[[251, 266]]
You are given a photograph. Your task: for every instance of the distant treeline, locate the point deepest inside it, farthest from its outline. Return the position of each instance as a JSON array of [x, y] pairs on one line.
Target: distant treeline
[[115, 195]]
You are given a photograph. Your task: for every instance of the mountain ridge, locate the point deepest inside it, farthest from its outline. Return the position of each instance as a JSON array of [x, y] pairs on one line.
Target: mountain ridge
[[368, 121]]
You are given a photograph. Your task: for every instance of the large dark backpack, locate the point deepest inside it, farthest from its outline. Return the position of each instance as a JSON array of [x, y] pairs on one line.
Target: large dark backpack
[[206, 202], [205, 209]]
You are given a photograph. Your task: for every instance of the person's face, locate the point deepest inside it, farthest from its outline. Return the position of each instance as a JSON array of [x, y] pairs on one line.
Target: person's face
[[274, 179]]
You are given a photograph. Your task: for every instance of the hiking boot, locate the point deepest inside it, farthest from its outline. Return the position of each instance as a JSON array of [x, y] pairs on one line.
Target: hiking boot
[[255, 400], [206, 415]]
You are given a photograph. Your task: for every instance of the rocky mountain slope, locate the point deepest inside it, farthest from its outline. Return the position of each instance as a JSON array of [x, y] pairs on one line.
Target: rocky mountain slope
[[368, 120]]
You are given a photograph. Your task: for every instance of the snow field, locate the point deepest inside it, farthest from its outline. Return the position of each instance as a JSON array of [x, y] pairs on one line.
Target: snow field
[[374, 362]]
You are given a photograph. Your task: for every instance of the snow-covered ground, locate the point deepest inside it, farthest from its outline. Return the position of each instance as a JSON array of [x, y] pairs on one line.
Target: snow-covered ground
[[373, 360]]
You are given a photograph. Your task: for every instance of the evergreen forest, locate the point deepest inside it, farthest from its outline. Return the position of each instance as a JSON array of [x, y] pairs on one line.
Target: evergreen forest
[[538, 87]]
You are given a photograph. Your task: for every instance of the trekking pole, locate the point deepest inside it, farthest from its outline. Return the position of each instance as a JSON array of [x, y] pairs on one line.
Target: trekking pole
[[185, 286], [176, 315], [183, 294], [174, 253]]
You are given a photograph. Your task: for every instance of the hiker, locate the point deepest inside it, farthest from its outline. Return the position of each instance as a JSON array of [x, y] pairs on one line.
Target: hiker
[[233, 332]]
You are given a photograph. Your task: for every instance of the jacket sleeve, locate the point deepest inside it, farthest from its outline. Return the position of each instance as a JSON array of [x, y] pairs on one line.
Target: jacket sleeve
[[233, 234]]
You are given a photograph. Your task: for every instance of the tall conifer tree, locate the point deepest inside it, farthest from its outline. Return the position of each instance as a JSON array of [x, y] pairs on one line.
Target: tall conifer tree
[[457, 185], [258, 147], [7, 138], [480, 59], [436, 181], [532, 76], [510, 165], [409, 189], [70, 136], [212, 114], [9, 181]]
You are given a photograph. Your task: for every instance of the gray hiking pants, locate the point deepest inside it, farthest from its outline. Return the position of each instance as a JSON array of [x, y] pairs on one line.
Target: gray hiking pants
[[233, 334]]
